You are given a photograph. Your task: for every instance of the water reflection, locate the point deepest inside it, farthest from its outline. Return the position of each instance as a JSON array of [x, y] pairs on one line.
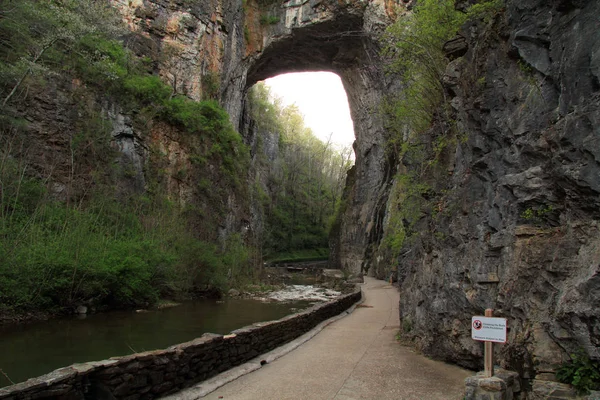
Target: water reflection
[[35, 349]]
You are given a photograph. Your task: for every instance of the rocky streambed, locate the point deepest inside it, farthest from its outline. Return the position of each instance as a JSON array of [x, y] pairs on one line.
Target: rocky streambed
[[294, 293]]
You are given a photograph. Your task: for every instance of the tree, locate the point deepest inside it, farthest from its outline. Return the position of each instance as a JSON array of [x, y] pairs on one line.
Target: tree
[[29, 30], [414, 46], [306, 181]]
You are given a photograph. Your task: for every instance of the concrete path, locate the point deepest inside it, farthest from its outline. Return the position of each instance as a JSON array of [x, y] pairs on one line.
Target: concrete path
[[356, 357]]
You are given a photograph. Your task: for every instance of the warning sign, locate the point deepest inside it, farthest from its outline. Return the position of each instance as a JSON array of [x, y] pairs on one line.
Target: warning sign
[[488, 329]]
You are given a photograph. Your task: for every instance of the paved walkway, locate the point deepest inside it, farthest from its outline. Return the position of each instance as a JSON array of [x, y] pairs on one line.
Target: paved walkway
[[355, 357]]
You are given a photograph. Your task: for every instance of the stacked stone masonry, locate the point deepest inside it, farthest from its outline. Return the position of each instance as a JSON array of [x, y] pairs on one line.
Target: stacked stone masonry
[[504, 385], [153, 374]]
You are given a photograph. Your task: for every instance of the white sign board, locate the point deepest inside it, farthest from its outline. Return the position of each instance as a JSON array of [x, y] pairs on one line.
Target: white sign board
[[488, 329]]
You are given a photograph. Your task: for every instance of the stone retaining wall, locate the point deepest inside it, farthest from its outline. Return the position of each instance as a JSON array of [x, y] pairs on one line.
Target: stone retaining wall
[[504, 385], [153, 374]]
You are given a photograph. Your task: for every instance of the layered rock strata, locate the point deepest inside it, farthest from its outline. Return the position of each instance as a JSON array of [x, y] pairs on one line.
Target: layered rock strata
[[512, 218]]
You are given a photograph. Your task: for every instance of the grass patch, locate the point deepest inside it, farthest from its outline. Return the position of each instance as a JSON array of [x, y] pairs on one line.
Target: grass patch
[[320, 254], [269, 20]]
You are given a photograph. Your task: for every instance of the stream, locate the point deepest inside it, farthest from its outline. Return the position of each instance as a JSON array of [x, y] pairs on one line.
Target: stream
[[34, 349]]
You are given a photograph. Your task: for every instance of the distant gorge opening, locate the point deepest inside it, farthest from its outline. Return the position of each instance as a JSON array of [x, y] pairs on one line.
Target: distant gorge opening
[[340, 45], [302, 174]]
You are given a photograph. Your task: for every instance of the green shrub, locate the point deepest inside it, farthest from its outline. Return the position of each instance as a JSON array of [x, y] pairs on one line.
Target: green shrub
[[148, 89], [194, 117], [100, 60], [485, 10], [581, 372], [269, 20], [246, 34], [59, 257], [211, 86]]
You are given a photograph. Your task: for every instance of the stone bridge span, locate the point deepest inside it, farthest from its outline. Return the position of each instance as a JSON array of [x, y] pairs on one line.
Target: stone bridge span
[[236, 42], [311, 36], [340, 37]]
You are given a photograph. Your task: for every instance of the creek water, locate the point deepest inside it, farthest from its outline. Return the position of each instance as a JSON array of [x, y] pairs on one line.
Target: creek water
[[35, 349]]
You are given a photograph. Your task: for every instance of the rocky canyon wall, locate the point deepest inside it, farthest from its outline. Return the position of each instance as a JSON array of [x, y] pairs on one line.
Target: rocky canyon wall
[[511, 218]]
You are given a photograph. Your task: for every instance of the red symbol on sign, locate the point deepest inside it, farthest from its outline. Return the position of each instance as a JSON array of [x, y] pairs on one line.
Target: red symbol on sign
[[477, 324]]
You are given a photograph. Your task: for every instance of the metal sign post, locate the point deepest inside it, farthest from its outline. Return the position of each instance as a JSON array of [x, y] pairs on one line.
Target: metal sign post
[[488, 330]]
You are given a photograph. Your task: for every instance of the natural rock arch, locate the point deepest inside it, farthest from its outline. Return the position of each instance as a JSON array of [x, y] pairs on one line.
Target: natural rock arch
[[225, 39], [343, 39]]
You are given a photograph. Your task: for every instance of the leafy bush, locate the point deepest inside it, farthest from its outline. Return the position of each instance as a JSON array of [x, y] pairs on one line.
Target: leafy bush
[[53, 257], [269, 20], [581, 372], [99, 59], [147, 89], [211, 86], [486, 10]]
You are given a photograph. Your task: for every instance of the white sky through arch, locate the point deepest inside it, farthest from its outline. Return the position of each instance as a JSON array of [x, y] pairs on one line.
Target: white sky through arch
[[321, 98]]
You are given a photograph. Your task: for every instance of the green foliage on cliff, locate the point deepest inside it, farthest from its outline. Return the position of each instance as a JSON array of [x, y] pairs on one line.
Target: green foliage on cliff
[[42, 39], [268, 20], [37, 37], [414, 47], [485, 10], [581, 372], [304, 182], [406, 203], [89, 241], [102, 251]]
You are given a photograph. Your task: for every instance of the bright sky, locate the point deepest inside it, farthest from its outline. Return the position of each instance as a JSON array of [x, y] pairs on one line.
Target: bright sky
[[322, 100]]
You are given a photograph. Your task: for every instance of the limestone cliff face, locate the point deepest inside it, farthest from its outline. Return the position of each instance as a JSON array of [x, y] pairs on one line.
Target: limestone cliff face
[[513, 220]]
